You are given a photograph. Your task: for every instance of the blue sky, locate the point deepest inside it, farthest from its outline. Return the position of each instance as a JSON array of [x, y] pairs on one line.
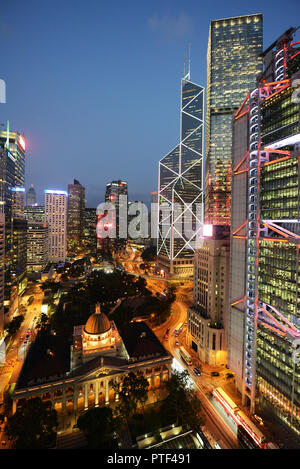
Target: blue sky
[[95, 85]]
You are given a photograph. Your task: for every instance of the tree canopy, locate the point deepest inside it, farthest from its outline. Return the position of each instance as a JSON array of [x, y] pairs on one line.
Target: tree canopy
[[134, 392], [33, 425], [99, 425]]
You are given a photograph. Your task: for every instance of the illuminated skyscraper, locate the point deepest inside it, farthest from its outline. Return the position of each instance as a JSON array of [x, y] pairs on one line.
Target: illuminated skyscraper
[[264, 325], [31, 196], [76, 206], [56, 219], [233, 63], [180, 187], [15, 142]]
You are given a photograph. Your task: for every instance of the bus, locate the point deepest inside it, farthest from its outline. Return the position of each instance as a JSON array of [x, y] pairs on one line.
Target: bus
[[227, 403], [249, 435], [254, 435], [178, 329], [185, 356]]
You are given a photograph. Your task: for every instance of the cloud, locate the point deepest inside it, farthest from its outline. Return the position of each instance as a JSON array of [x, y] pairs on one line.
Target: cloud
[[171, 27]]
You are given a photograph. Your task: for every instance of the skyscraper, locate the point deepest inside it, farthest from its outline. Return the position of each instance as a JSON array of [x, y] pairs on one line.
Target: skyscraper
[[31, 196], [90, 235], [2, 265], [76, 206], [56, 219], [180, 187], [264, 329], [233, 63], [117, 194], [7, 180], [208, 318], [37, 246], [15, 142]]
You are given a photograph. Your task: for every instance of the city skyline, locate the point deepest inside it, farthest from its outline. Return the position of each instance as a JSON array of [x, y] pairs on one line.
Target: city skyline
[[75, 86]]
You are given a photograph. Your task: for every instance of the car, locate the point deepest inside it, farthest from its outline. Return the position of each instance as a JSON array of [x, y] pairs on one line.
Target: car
[[258, 419], [177, 343], [215, 373], [229, 375], [197, 372]]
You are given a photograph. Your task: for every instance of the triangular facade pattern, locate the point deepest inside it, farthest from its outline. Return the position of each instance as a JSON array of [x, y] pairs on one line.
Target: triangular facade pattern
[[180, 185]]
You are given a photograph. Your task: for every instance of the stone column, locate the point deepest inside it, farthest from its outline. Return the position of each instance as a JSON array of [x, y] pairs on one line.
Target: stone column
[[86, 396], [75, 400], [117, 390], [96, 392], [106, 392]]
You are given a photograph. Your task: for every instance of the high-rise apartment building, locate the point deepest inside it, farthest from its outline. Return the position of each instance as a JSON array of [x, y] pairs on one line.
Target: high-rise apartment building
[[76, 207], [180, 188], [233, 63], [56, 219], [264, 326], [208, 318], [31, 196], [37, 246]]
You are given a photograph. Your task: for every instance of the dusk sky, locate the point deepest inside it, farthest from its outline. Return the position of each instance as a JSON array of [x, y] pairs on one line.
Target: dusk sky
[[95, 86]]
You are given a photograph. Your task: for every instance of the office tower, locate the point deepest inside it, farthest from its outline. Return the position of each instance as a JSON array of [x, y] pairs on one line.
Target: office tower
[[7, 180], [117, 194], [19, 256], [31, 196], [90, 235], [35, 213], [18, 196], [15, 143], [2, 269], [75, 219], [180, 187], [37, 246], [233, 63], [208, 318], [56, 219], [264, 328]]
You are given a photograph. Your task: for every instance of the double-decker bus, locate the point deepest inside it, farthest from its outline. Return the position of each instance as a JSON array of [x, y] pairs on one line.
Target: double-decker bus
[[249, 435], [178, 328], [227, 403], [185, 356]]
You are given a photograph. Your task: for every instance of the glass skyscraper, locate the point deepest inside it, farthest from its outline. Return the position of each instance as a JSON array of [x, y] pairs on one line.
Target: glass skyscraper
[[233, 63], [180, 187], [264, 330]]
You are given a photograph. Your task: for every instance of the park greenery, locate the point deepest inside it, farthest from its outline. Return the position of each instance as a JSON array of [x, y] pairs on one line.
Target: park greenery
[[15, 324], [39, 419], [180, 407], [99, 425], [155, 308], [78, 302]]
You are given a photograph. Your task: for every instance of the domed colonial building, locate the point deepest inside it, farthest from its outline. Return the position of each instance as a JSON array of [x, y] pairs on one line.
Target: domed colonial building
[[98, 335], [86, 370]]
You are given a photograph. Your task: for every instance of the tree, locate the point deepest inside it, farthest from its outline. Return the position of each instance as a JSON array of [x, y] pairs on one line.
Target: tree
[[183, 402], [33, 425], [134, 392], [99, 425], [15, 324]]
